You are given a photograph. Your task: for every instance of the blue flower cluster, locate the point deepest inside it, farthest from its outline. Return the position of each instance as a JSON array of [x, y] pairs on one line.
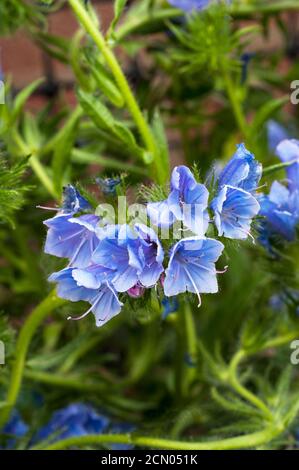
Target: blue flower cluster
[[14, 430], [280, 207], [75, 420], [106, 262]]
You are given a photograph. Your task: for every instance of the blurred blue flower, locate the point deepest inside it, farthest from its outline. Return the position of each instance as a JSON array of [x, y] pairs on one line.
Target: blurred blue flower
[[192, 267], [75, 420], [281, 211], [186, 202], [72, 201], [189, 5], [108, 185], [288, 151], [286, 298], [170, 305], [91, 285], [242, 171], [275, 133], [234, 210], [14, 429], [72, 237], [245, 60]]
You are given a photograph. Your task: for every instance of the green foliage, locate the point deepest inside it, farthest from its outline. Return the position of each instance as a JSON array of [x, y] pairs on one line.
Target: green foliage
[[12, 190], [209, 374]]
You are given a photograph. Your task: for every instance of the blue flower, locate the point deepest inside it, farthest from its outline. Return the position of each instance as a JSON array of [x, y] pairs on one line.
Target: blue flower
[[192, 267], [108, 185], [187, 202], [151, 254], [72, 237], [74, 420], [170, 305], [276, 133], [288, 151], [281, 211], [72, 201], [118, 250], [234, 209], [91, 285], [135, 257], [15, 429], [189, 5], [242, 171]]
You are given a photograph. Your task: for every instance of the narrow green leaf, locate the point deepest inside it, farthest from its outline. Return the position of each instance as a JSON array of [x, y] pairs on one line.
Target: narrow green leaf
[[265, 112], [119, 6], [64, 148], [22, 97]]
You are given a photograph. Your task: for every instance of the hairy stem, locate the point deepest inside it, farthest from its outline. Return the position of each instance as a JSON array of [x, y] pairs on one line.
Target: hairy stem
[[244, 392], [240, 442], [28, 330], [121, 81]]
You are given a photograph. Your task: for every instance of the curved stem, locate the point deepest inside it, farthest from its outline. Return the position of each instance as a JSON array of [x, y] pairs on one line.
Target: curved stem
[[240, 442], [120, 79], [29, 328], [244, 392]]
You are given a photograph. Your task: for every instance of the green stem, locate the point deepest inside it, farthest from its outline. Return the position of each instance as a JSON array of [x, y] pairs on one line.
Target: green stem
[[120, 79], [191, 347], [240, 442], [239, 388], [279, 166], [63, 381], [29, 328], [235, 103], [36, 166]]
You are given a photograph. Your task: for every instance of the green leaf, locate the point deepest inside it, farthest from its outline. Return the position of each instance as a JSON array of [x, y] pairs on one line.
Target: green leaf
[[22, 97], [103, 119], [161, 139], [31, 133], [265, 112], [119, 6], [12, 191], [106, 84], [64, 147]]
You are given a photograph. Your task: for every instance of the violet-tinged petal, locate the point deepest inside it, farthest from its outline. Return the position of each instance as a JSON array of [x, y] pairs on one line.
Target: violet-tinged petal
[[189, 5], [288, 151], [192, 266], [275, 133], [160, 214], [151, 255], [73, 201], [242, 171], [67, 287], [73, 238], [234, 210]]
